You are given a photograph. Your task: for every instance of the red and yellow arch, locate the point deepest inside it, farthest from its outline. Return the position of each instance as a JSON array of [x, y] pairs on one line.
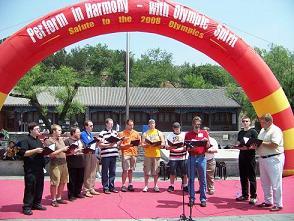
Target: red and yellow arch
[[36, 41]]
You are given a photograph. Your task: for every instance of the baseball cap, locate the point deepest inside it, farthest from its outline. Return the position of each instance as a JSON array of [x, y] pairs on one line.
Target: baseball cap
[[176, 125]]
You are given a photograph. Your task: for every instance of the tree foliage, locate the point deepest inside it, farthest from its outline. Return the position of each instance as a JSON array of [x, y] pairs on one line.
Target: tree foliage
[[100, 66]]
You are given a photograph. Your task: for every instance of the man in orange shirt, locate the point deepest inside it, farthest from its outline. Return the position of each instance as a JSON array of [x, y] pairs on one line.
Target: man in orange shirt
[[129, 153]]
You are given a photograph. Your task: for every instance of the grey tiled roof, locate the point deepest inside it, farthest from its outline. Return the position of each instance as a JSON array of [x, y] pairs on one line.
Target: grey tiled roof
[[139, 97]]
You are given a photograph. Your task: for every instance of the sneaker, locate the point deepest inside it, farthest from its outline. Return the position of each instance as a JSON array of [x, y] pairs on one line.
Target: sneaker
[[124, 189], [191, 203], [107, 192], [186, 189], [241, 198], [145, 189], [88, 194], [156, 189], [276, 208], [131, 188], [93, 192], [114, 191], [54, 203], [264, 205], [203, 204], [252, 201], [27, 212], [170, 189], [210, 192]]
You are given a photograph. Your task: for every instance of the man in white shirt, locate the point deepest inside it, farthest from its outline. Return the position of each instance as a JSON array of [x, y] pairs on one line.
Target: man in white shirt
[[210, 163], [271, 163]]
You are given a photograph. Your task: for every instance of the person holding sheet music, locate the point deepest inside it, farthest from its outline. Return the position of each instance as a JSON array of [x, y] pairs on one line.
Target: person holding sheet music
[[177, 156], [153, 141], [58, 166], [109, 153], [129, 152], [197, 160], [75, 164], [271, 163], [90, 159], [247, 162], [31, 149]]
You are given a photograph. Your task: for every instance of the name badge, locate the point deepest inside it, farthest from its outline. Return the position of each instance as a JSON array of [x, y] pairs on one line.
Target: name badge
[[200, 135]]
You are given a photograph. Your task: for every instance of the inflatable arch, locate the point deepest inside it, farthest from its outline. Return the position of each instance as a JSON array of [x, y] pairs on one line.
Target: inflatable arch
[[36, 41]]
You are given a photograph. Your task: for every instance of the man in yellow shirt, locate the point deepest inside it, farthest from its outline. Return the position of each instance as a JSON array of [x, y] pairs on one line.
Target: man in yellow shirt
[[129, 152], [152, 141]]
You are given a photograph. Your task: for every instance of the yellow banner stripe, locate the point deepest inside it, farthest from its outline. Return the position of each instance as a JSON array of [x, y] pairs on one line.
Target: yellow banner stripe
[[2, 99], [289, 139], [288, 172], [273, 103]]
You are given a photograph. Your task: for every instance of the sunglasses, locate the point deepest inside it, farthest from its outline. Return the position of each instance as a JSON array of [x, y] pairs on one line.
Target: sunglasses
[[243, 121]]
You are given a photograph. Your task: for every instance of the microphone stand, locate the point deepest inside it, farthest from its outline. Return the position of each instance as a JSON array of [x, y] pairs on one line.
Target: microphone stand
[[183, 217]]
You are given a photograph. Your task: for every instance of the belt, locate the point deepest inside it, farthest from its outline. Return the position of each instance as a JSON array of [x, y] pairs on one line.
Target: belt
[[271, 155], [198, 155]]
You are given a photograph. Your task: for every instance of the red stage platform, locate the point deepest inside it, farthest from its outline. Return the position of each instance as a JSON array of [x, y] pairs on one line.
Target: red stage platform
[[139, 205]]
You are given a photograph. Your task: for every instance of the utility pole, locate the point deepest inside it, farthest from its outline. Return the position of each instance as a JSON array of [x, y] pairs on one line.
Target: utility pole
[[127, 76]]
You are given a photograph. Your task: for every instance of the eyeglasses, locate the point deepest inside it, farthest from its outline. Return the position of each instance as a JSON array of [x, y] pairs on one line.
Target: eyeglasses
[[243, 121]]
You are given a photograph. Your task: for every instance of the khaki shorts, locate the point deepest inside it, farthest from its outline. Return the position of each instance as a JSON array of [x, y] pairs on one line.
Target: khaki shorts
[[151, 166], [58, 174], [129, 162]]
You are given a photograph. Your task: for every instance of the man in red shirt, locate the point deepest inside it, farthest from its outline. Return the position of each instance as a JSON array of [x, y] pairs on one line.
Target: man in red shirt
[[197, 160]]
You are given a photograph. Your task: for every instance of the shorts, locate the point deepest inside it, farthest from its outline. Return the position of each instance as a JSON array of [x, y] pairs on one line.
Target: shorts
[[58, 174], [151, 166], [178, 167], [129, 162]]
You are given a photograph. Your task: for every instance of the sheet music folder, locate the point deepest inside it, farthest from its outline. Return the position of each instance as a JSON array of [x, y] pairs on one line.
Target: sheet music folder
[[72, 147], [196, 143], [49, 149], [113, 139], [176, 144], [156, 143], [252, 141], [135, 142]]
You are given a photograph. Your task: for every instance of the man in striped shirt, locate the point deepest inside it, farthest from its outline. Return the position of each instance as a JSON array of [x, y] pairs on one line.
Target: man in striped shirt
[[177, 156], [109, 153]]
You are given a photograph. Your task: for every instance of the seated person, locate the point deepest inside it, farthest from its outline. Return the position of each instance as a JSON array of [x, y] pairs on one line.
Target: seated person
[[11, 151]]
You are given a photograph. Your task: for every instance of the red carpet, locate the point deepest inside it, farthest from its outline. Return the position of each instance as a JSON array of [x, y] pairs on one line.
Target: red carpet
[[139, 205]]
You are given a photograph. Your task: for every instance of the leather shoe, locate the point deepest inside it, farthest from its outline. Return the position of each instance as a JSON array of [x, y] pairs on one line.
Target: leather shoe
[[72, 198], [27, 212], [61, 201], [80, 196], [39, 207]]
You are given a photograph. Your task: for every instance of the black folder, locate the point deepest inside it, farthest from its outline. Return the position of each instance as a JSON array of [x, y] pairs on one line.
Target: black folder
[[49, 149], [113, 139], [95, 140], [156, 143], [176, 144], [196, 143], [253, 141], [90, 148], [135, 142], [73, 146]]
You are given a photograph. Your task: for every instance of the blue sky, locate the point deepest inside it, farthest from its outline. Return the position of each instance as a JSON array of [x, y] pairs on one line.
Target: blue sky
[[259, 22]]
